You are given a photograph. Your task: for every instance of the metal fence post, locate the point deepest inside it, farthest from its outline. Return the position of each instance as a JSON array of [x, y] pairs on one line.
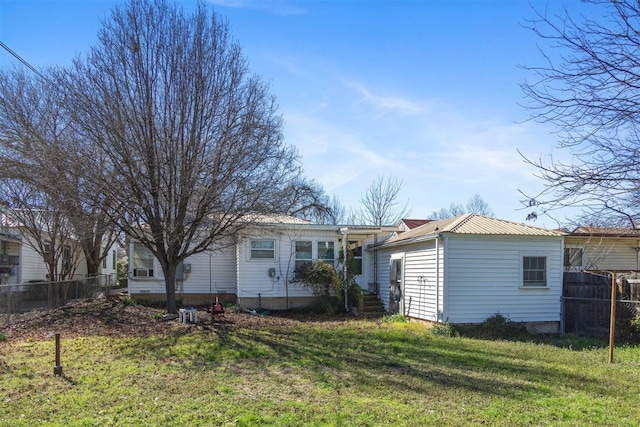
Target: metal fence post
[[562, 314], [9, 305]]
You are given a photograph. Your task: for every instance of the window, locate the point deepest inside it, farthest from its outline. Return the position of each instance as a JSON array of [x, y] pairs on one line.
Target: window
[[356, 250], [104, 262], [326, 252], [263, 249], [47, 252], [534, 271], [66, 259], [573, 257], [142, 261], [303, 254]]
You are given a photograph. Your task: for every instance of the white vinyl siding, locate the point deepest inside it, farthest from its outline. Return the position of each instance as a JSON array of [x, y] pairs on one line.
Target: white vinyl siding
[[469, 278], [607, 253], [253, 275], [422, 292], [483, 278], [211, 273]]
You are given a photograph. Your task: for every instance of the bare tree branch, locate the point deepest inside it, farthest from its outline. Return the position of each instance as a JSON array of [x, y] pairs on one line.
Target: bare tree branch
[[590, 92]]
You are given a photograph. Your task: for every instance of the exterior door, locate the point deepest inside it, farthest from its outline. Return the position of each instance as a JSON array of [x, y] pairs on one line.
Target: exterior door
[[395, 286], [356, 250]]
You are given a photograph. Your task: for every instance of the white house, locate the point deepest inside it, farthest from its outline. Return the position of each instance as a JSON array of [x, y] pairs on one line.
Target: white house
[[602, 249], [21, 263], [258, 268], [468, 268]]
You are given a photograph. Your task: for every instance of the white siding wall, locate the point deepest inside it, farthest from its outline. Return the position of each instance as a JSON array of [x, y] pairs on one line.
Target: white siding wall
[[422, 284], [253, 277], [110, 269], [484, 276], [32, 265], [384, 260], [606, 253], [211, 272]]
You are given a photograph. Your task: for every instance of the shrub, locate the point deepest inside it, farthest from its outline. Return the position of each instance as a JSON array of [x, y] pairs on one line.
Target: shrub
[[635, 325], [326, 305], [3, 335], [321, 279], [122, 271], [444, 330], [498, 326]]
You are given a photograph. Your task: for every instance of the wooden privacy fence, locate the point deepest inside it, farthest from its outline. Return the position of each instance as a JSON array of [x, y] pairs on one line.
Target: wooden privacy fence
[[586, 302]]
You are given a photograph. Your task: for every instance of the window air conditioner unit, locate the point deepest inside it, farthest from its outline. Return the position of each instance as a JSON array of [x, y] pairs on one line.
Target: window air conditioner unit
[[143, 272]]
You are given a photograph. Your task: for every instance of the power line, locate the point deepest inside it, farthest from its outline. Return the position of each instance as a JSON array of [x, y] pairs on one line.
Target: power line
[[19, 58]]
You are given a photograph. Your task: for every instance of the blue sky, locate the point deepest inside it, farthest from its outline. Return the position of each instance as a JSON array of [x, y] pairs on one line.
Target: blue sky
[[425, 91]]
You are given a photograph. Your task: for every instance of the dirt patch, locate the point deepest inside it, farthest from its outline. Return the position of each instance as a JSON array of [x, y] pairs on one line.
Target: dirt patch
[[118, 316]]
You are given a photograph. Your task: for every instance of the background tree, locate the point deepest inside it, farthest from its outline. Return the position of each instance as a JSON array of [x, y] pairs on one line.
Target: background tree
[[306, 199], [475, 205], [379, 203], [589, 89], [45, 229], [38, 148], [193, 141]]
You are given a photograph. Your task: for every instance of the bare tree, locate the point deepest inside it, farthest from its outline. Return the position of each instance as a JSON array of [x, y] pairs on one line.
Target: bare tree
[[38, 148], [380, 204], [45, 228], [306, 199], [193, 141], [476, 205], [590, 92]]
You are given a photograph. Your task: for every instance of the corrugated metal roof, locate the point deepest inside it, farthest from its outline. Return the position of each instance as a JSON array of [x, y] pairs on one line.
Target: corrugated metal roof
[[471, 224], [605, 231]]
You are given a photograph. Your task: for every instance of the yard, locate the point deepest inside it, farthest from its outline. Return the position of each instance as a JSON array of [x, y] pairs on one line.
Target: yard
[[123, 366]]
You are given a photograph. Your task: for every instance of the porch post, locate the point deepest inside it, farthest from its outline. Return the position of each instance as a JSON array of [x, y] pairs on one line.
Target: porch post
[[345, 280]]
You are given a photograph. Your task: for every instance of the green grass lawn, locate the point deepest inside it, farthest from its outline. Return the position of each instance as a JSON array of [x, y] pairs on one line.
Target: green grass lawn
[[359, 373]]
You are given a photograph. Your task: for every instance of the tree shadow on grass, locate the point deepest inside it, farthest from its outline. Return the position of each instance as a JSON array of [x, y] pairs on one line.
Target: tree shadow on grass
[[364, 357]]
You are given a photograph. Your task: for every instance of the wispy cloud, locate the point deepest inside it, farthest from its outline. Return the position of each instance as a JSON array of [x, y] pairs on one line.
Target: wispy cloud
[[387, 102], [276, 7]]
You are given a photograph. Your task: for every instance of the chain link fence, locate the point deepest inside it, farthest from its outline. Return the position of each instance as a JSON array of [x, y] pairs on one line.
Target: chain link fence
[[586, 304], [27, 297]]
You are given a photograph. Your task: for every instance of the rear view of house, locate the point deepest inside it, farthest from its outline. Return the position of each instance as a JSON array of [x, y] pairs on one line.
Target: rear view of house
[[258, 269]]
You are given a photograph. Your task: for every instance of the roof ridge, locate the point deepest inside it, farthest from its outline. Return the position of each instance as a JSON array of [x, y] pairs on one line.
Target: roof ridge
[[463, 219]]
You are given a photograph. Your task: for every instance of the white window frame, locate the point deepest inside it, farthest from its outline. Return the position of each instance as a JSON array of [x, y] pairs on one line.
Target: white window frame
[[299, 261], [334, 244], [315, 246], [533, 285], [571, 256], [258, 258], [142, 271]]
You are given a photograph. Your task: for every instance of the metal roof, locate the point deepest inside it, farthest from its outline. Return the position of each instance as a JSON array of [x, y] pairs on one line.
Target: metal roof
[[471, 224], [605, 232]]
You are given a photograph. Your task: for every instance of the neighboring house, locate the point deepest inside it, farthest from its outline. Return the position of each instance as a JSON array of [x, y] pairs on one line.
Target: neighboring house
[[257, 270], [602, 249], [466, 269], [410, 224], [21, 263]]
